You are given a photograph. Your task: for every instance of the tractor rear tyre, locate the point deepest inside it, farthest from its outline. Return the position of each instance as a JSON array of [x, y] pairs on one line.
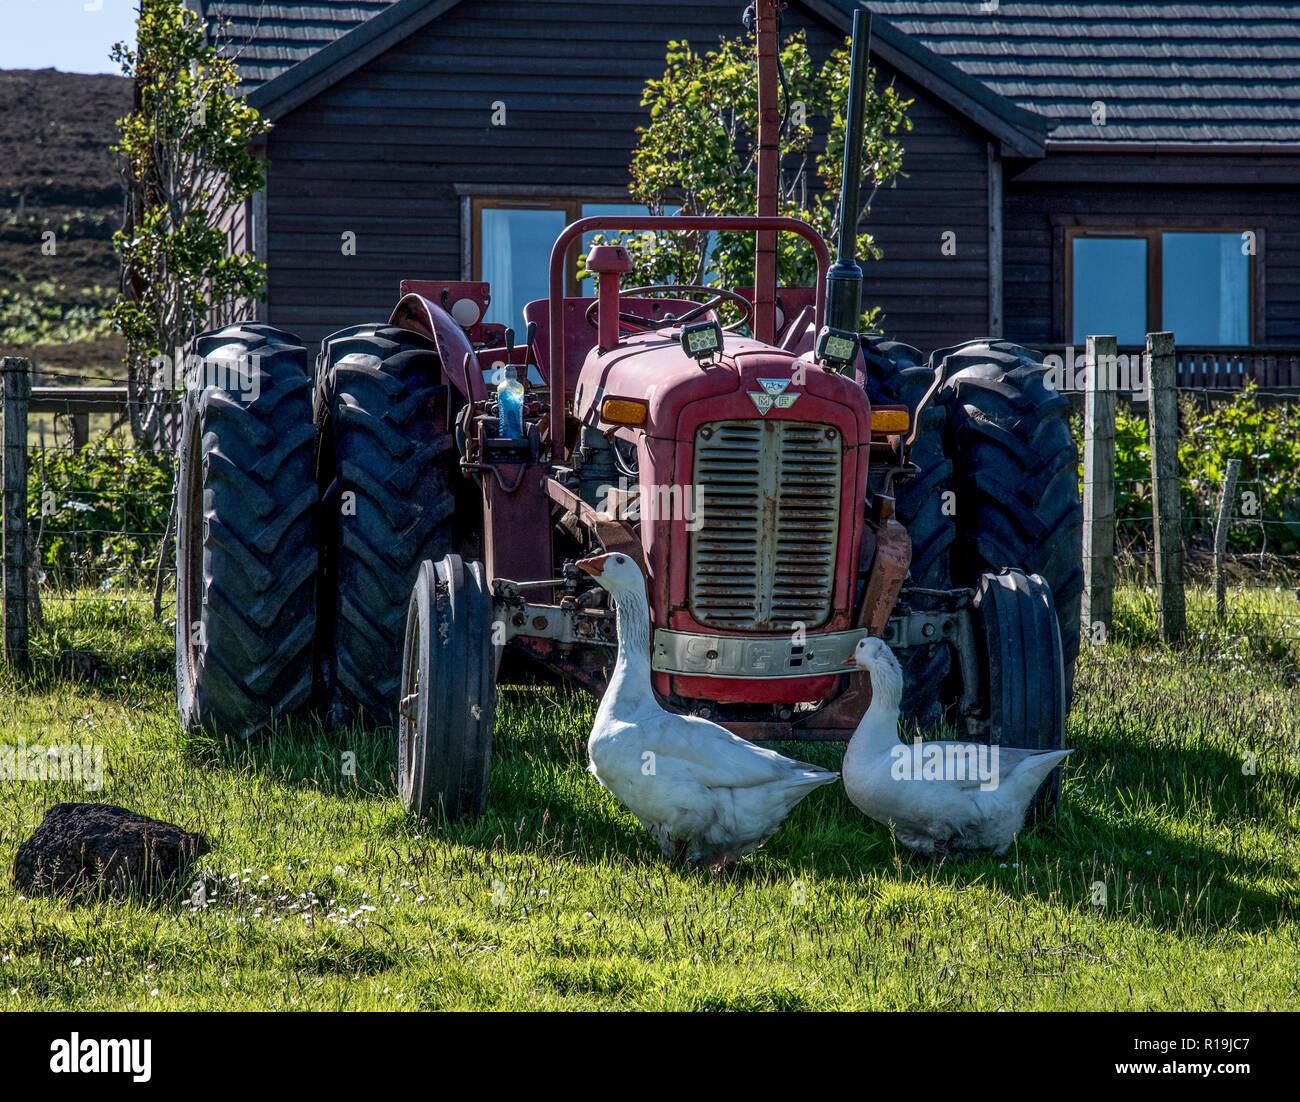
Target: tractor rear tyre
[[385, 470], [246, 538], [1022, 668], [448, 692], [897, 374], [1015, 476]]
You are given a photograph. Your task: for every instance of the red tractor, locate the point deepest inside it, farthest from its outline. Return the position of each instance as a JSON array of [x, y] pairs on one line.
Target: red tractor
[[387, 538]]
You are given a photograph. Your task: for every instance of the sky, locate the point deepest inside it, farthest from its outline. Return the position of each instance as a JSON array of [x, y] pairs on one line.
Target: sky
[[72, 35]]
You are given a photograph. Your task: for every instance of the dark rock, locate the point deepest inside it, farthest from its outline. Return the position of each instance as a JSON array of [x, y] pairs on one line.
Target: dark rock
[[103, 848]]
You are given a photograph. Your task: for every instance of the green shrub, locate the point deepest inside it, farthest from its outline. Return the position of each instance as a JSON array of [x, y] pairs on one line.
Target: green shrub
[[101, 511], [1264, 436]]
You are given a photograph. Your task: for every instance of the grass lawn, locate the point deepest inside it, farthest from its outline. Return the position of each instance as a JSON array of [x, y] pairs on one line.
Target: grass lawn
[[323, 894]]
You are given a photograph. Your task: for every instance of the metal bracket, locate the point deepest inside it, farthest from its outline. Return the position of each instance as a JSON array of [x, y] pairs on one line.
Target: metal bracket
[[567, 624], [953, 626], [918, 629]]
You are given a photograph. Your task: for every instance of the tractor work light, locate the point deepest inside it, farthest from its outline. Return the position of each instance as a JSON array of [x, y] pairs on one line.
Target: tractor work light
[[703, 340], [623, 411], [889, 421], [836, 347]]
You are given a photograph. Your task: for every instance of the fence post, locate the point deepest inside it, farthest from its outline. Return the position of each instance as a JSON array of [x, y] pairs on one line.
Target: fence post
[[1166, 489], [1099, 487], [15, 386], [1221, 535]]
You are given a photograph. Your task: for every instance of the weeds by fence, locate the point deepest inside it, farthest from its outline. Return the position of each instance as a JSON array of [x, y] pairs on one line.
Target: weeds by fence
[[85, 522], [1195, 501]]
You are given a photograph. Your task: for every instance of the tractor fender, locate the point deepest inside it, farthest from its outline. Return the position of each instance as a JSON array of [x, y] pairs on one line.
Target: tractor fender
[[418, 314]]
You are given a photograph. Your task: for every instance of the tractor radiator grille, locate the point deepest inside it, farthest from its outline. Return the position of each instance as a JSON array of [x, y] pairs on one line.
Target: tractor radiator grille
[[768, 495]]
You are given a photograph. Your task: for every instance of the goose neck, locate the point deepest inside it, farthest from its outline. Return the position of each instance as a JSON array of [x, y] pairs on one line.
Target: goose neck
[[879, 725], [631, 678]]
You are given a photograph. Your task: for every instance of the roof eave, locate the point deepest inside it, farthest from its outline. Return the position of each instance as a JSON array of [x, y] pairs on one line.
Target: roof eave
[[1208, 148], [313, 75], [1020, 132]]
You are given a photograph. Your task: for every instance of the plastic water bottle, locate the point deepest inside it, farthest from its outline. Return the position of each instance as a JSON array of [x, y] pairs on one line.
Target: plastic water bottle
[[510, 406]]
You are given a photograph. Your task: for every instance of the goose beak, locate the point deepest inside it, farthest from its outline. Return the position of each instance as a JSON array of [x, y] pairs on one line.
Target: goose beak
[[851, 660], [595, 566]]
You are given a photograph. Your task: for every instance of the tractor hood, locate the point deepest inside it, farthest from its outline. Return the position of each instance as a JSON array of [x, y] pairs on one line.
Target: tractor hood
[[652, 368]]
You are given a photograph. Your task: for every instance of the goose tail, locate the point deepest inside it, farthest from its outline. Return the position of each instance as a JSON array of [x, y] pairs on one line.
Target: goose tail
[[813, 776], [1032, 771]]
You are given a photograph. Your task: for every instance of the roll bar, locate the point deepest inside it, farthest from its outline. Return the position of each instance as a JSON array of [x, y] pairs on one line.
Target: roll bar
[[705, 222]]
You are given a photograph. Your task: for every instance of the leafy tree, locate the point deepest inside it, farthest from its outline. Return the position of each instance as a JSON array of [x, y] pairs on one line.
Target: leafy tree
[[185, 154], [699, 152]]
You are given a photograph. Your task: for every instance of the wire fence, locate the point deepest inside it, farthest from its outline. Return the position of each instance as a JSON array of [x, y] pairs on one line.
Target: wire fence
[[88, 553], [1192, 505]]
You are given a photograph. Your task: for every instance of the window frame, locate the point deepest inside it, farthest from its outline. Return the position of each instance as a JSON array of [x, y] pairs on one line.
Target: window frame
[[1153, 234], [570, 205]]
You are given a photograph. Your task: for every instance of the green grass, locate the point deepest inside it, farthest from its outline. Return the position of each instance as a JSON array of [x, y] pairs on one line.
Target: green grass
[[324, 894]]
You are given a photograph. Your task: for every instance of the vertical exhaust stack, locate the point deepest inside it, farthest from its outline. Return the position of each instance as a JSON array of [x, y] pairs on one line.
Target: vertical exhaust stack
[[844, 280], [767, 30]]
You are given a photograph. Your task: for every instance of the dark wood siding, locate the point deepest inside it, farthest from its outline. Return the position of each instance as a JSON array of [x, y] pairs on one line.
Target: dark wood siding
[[379, 155], [1032, 241], [931, 299]]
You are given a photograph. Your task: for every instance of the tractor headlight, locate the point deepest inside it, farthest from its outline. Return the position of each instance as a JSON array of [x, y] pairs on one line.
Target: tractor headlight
[[703, 340], [836, 347]]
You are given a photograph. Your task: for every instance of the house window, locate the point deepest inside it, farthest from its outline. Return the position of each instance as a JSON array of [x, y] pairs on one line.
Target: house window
[[1193, 283], [1110, 288], [512, 240]]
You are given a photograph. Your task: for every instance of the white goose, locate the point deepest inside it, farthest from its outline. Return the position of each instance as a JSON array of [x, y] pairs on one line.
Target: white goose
[[969, 798], [705, 795]]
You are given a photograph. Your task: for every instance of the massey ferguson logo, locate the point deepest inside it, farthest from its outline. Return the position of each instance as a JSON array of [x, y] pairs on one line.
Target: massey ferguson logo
[[772, 394]]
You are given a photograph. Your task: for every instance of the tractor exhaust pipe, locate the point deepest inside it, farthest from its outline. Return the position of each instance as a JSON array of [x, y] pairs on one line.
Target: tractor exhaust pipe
[[764, 20], [844, 280]]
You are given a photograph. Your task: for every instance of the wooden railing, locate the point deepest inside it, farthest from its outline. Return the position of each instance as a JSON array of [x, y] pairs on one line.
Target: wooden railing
[[1232, 368], [1273, 368]]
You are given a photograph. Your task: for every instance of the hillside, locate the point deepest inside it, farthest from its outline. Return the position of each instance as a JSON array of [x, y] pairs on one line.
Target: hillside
[[56, 173]]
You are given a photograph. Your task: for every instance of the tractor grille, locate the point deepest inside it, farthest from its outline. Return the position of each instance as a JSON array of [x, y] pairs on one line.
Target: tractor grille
[[769, 495]]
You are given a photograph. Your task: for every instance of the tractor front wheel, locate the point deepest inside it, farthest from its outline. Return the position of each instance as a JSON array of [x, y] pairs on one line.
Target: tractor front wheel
[[448, 702], [1022, 668]]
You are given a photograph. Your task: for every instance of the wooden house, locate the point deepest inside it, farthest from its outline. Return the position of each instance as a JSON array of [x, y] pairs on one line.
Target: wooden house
[[1072, 168]]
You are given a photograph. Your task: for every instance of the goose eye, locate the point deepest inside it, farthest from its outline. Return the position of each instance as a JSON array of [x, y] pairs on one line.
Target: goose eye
[[619, 558]]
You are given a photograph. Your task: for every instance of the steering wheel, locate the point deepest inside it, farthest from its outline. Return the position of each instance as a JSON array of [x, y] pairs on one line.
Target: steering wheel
[[717, 297]]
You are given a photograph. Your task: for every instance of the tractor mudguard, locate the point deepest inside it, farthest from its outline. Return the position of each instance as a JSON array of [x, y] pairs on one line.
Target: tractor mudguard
[[421, 315]]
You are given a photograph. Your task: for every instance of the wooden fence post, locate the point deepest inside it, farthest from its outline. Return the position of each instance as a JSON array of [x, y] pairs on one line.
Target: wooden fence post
[[15, 386], [1221, 535], [1099, 488], [1166, 489]]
